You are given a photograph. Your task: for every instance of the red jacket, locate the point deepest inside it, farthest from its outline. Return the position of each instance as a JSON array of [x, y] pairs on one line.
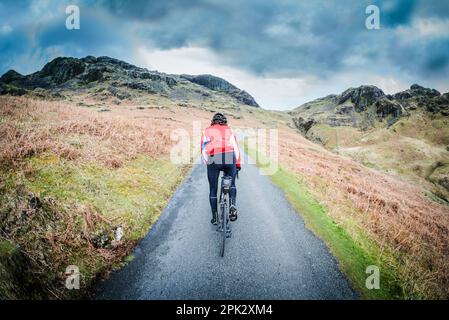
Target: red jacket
[[218, 139]]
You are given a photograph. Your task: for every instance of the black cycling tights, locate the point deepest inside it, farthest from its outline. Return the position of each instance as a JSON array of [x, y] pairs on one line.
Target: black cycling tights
[[221, 162]]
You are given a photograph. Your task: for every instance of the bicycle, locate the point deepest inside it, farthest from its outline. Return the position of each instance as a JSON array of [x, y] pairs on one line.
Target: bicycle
[[224, 227]]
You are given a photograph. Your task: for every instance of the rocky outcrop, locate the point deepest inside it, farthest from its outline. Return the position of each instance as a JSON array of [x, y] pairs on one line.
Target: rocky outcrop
[[416, 91], [361, 107], [386, 107], [303, 125], [420, 97], [94, 74], [441, 104], [77, 74], [219, 84], [211, 82], [361, 97], [244, 97], [61, 70]]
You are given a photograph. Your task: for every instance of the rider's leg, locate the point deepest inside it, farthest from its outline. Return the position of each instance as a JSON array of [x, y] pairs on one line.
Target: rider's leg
[[233, 189], [213, 172], [230, 169]]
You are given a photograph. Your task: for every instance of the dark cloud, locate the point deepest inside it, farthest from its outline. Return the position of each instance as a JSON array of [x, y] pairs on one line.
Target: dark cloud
[[396, 12], [31, 41], [288, 37], [284, 37], [433, 8], [94, 35], [149, 10], [11, 44]]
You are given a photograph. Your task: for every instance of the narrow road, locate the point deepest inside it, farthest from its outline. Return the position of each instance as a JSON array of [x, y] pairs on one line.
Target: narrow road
[[271, 254]]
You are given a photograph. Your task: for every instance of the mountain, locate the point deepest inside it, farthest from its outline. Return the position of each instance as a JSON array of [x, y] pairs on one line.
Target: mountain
[[406, 133], [367, 106], [117, 77]]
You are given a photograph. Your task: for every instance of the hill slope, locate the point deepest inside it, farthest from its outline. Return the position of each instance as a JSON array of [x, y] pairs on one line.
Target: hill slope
[[406, 133], [118, 77]]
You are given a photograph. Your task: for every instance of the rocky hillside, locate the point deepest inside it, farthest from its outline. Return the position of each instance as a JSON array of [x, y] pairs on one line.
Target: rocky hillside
[[406, 133], [120, 79], [218, 84], [368, 106]]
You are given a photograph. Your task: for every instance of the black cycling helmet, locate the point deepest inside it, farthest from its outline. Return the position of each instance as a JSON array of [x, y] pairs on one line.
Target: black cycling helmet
[[219, 118]]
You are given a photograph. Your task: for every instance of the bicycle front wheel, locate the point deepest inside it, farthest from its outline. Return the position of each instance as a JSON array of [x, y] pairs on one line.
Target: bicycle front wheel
[[224, 223]]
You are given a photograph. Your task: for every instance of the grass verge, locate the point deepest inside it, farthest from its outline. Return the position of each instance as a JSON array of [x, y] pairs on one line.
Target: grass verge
[[60, 213]]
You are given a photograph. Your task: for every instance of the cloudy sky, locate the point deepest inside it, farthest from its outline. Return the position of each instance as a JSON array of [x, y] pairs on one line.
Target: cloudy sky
[[284, 53]]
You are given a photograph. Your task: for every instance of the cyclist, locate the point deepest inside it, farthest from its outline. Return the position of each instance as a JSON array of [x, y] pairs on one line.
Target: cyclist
[[220, 151]]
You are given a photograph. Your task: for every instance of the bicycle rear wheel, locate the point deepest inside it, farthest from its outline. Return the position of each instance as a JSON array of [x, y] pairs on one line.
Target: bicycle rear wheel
[[224, 223]]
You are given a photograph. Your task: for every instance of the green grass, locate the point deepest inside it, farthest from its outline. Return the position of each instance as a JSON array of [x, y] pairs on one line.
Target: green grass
[[132, 196], [335, 137], [354, 256], [6, 248]]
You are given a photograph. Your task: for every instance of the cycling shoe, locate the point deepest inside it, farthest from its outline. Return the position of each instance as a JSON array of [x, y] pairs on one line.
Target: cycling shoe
[[233, 213]]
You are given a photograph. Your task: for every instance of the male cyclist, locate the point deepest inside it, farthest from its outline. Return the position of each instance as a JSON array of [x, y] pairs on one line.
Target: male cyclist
[[220, 152]]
